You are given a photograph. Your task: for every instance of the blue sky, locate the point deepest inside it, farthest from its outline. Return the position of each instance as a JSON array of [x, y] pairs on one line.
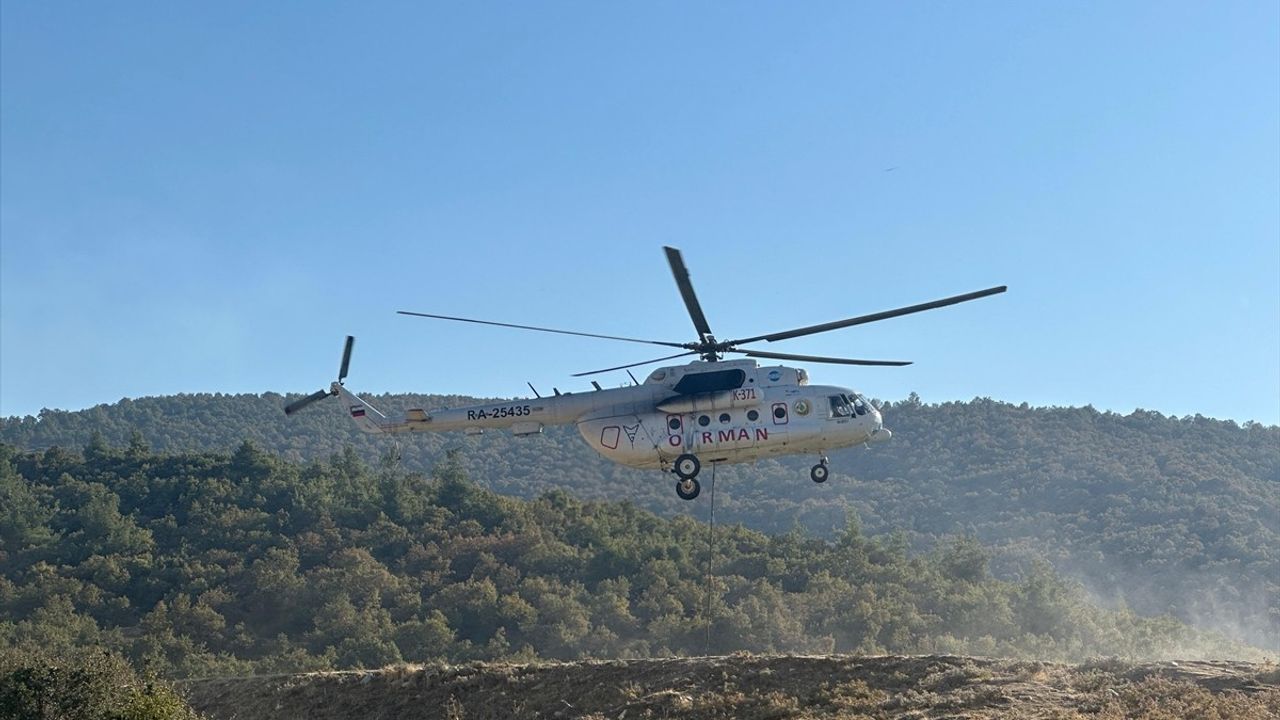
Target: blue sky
[[208, 197]]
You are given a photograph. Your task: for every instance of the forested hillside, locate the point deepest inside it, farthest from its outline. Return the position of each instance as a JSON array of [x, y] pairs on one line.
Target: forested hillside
[[210, 563], [1162, 514]]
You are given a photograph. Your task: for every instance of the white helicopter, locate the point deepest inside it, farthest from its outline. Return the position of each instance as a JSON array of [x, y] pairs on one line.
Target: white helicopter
[[710, 410]]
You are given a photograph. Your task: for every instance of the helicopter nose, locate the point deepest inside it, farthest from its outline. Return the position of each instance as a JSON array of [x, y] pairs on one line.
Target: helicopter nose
[[880, 435]]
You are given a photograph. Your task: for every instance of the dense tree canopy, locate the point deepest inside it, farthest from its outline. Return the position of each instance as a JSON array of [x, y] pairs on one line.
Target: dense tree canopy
[[1157, 514], [202, 563]]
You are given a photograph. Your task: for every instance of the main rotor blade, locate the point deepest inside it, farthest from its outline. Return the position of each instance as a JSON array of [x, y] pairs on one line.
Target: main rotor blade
[[820, 359], [638, 364], [297, 405], [346, 358], [862, 319], [681, 274], [542, 329]]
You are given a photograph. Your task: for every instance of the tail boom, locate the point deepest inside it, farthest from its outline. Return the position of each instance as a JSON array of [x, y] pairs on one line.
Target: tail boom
[[522, 417]]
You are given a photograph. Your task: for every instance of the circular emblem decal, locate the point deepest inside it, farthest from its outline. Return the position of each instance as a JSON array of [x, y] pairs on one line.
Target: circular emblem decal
[[775, 375], [802, 407]]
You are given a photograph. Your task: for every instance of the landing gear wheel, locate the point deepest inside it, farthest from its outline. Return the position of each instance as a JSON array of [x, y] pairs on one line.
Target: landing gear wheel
[[688, 488], [687, 467], [818, 473]]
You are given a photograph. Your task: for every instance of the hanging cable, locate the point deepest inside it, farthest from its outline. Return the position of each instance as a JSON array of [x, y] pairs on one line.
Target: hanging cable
[[711, 549]]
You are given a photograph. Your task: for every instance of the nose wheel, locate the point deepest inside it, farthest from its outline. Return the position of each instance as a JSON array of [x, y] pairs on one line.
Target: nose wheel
[[819, 473]]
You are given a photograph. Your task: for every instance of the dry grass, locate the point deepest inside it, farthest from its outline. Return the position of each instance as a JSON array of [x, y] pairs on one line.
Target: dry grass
[[745, 687]]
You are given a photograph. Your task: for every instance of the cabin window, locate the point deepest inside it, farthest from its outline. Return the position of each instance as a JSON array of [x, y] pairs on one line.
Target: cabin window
[[779, 413], [859, 405], [724, 418], [704, 421], [840, 407], [674, 424], [752, 415]]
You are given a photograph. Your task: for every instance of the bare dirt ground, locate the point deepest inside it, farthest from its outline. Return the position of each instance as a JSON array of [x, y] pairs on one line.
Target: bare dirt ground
[[756, 687]]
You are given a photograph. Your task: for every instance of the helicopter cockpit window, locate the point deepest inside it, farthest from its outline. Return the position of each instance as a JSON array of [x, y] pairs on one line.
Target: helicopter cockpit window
[[859, 405], [840, 406]]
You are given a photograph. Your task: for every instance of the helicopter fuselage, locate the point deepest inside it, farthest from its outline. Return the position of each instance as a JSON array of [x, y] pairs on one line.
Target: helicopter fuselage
[[723, 412]]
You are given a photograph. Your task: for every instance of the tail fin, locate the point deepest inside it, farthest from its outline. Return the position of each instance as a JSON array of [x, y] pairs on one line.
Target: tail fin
[[367, 417]]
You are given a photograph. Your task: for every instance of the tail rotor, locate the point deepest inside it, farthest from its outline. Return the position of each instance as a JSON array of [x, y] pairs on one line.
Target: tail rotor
[[297, 405]]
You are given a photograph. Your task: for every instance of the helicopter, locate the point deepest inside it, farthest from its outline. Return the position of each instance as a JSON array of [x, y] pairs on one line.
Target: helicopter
[[709, 410]]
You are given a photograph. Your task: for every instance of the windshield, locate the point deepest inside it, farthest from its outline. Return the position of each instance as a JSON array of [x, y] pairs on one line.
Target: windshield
[[859, 405], [849, 404]]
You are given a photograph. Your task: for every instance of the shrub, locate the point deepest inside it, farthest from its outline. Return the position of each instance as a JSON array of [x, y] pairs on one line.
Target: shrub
[[90, 684]]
